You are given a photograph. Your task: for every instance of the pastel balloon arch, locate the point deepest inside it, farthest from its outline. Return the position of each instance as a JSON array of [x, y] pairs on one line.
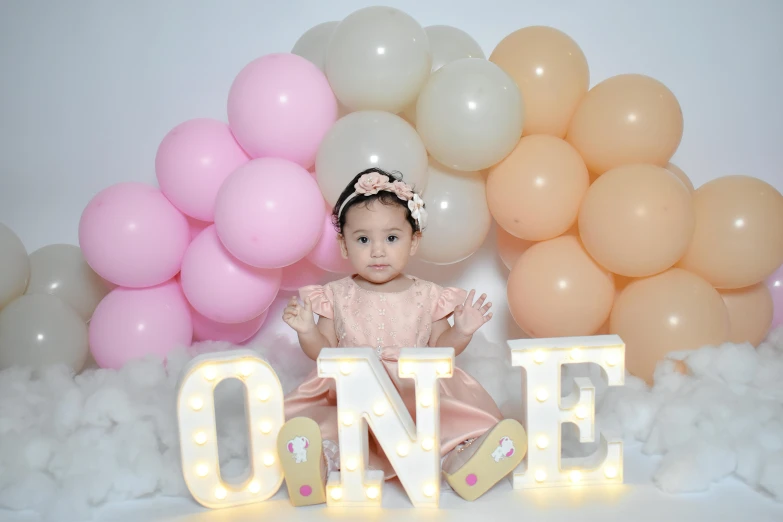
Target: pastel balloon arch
[[600, 232]]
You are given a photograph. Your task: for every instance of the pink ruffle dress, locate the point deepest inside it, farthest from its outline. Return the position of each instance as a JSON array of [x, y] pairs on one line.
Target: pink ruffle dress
[[388, 321]]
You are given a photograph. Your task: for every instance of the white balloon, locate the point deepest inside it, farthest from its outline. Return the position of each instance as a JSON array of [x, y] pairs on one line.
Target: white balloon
[[41, 330], [14, 266], [447, 44], [470, 114], [61, 270], [366, 139], [313, 43], [378, 58], [458, 215]]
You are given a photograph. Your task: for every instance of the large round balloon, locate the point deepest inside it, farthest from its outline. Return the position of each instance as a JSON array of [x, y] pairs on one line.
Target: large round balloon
[[221, 287], [458, 218], [326, 254], [469, 114], [535, 192], [366, 139], [41, 330], [60, 270], [132, 236], [193, 160], [313, 43], [626, 119], [637, 220], [750, 313], [281, 105], [552, 73], [14, 266], [555, 289], [378, 58], [133, 323], [447, 44], [269, 213], [738, 240], [205, 329], [672, 311]]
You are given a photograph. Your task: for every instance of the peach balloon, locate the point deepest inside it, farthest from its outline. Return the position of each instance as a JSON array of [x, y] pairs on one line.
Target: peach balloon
[[637, 220], [555, 289], [677, 171], [672, 311], [535, 192], [738, 240], [511, 247], [750, 313], [552, 73], [630, 118]]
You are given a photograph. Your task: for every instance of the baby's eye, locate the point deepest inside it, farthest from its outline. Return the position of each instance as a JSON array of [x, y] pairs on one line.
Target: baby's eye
[[392, 239], [363, 240]]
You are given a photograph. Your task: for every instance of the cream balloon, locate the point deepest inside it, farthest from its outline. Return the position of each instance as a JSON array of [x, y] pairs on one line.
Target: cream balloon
[[677, 171], [60, 270], [750, 313], [470, 114], [366, 139], [378, 58], [14, 266], [458, 217], [41, 330], [447, 44], [510, 248], [313, 43]]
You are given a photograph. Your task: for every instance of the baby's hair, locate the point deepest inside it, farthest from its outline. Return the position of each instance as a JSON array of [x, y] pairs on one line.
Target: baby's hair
[[384, 196]]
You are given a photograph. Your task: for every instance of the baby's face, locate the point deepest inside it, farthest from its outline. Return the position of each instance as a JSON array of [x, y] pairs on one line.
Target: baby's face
[[378, 240]]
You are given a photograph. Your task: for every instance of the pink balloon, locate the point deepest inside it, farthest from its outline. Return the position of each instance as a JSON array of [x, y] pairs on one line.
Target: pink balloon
[[193, 161], [221, 287], [281, 105], [326, 254], [205, 329], [301, 273], [775, 285], [132, 323], [269, 213], [132, 236]]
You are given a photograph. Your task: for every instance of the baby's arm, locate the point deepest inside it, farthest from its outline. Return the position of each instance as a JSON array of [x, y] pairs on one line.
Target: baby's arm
[[322, 336], [445, 336]]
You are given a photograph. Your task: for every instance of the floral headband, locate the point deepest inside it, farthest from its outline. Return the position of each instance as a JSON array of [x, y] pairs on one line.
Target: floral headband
[[373, 182]]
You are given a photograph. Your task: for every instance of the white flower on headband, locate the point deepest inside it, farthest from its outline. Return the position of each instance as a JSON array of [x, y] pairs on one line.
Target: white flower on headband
[[416, 206]]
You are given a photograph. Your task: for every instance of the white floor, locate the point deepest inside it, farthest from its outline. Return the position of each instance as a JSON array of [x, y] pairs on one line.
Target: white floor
[[638, 499]]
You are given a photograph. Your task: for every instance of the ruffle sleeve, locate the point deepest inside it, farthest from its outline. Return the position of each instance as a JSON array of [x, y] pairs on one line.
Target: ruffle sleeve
[[448, 298], [321, 298]]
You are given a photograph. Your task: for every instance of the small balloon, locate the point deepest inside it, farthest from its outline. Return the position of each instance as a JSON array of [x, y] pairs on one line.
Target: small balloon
[[470, 114], [326, 254], [668, 312], [738, 239], [458, 218], [132, 236], [510, 248], [750, 313], [378, 58], [193, 161], [775, 287], [366, 139], [677, 171], [134, 323], [41, 330], [624, 120], [205, 329], [14, 266], [301, 273], [552, 73], [556, 289], [60, 270], [313, 43]]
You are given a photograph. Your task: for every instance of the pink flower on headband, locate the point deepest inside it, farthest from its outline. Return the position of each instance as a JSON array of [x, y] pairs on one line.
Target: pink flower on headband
[[372, 183], [402, 190]]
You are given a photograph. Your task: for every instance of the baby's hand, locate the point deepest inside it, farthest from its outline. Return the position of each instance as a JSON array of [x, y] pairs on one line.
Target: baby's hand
[[300, 318], [469, 317]]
